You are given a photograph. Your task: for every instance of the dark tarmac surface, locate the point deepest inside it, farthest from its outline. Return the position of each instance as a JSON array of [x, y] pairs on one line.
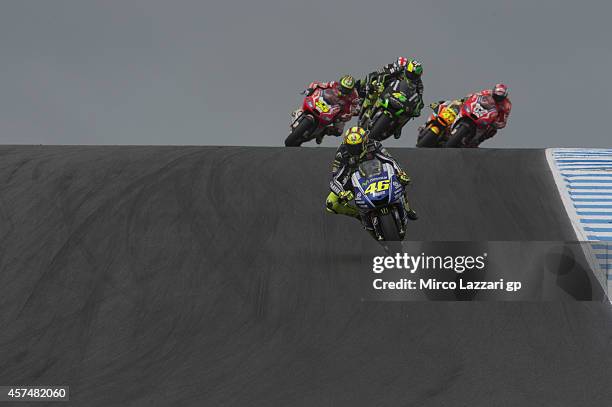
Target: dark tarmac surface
[[210, 276]]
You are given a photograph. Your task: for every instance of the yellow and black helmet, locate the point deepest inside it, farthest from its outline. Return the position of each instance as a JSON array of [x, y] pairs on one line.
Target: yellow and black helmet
[[346, 84], [355, 140], [414, 69]]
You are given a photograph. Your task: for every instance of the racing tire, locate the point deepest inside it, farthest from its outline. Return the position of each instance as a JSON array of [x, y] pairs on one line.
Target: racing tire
[[389, 229], [382, 124], [429, 139], [457, 135], [296, 137]]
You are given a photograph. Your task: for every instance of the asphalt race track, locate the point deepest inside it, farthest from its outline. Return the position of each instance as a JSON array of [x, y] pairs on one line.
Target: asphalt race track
[[211, 276]]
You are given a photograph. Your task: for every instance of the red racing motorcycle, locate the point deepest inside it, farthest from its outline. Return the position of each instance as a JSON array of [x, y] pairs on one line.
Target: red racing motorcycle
[[320, 110], [476, 117]]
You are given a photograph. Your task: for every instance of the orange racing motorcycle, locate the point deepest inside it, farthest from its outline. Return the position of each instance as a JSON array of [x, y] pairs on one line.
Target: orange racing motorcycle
[[436, 131]]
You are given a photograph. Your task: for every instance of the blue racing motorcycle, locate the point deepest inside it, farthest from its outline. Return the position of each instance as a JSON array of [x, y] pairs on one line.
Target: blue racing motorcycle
[[379, 197]]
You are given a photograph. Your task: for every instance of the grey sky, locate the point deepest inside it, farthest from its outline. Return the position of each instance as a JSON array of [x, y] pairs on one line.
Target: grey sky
[[228, 72]]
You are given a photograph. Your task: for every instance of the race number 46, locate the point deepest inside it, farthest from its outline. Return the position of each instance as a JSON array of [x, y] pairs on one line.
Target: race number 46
[[379, 186]]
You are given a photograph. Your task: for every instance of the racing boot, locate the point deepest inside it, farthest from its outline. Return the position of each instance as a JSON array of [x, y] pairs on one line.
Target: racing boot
[[411, 214], [397, 133], [417, 109], [333, 204], [405, 180], [332, 130], [364, 109]]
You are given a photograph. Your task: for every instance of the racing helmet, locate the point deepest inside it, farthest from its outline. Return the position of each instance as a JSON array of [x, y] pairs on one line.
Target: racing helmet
[[499, 92], [346, 84], [355, 140], [400, 64], [414, 69]]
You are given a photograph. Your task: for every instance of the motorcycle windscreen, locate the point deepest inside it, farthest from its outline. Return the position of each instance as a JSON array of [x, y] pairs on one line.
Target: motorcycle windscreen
[[370, 168], [487, 103], [330, 96]]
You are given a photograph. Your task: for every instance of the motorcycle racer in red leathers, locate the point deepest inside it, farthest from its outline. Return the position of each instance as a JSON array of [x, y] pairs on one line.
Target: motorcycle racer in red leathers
[[499, 93], [347, 98]]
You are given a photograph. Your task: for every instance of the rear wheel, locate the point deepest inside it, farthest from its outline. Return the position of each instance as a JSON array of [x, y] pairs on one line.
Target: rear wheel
[[296, 137], [389, 229], [457, 135], [429, 139], [382, 125]]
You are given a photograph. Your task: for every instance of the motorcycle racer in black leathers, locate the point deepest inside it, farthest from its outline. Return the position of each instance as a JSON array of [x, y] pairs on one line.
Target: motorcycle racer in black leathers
[[355, 149], [373, 85]]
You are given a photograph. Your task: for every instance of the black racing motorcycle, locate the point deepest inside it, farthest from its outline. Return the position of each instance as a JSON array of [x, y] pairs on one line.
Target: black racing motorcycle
[[391, 110]]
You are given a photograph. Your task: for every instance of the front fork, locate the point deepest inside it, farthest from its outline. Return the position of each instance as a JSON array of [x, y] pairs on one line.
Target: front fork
[[375, 225], [401, 219]]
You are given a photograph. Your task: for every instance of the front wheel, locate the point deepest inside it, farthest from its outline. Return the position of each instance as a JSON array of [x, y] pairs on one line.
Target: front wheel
[[296, 137], [389, 229], [382, 125], [458, 134], [429, 139]]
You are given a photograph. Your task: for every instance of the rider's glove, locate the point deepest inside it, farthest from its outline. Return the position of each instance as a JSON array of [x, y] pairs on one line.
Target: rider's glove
[[403, 178], [375, 87], [308, 91], [380, 87], [345, 196]]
